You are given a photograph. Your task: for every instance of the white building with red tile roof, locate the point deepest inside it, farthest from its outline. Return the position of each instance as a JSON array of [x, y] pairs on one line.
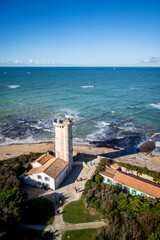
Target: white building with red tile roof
[[48, 174], [130, 183]]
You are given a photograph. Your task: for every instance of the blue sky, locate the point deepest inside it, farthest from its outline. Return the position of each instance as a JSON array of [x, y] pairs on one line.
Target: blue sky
[[79, 33]]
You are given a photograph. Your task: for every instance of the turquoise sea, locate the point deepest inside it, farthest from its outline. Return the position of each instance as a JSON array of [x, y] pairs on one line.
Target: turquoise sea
[[120, 106]]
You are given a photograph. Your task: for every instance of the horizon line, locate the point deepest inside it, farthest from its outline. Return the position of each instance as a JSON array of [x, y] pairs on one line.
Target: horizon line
[[80, 66]]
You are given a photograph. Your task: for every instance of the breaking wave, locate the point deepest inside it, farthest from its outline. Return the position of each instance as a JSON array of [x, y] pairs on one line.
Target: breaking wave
[[13, 86], [70, 113], [117, 135], [88, 86], [26, 131], [115, 132], [155, 105]]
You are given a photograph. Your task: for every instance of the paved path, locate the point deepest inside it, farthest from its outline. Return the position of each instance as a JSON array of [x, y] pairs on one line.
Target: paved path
[[63, 227], [68, 226]]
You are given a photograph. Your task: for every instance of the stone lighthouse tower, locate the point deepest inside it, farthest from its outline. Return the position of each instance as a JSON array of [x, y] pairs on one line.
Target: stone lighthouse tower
[[63, 139]]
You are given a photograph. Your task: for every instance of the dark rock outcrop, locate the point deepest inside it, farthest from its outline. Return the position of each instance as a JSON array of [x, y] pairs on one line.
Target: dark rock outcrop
[[147, 147]]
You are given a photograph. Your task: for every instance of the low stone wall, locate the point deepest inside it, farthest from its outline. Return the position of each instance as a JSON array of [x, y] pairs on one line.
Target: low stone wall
[[137, 174], [83, 164]]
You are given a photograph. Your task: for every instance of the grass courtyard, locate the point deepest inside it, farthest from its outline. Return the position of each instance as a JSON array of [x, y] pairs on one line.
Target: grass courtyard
[[84, 234], [75, 212]]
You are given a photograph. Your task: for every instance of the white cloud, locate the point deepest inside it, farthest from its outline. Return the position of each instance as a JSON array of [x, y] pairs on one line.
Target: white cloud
[[152, 59], [31, 62]]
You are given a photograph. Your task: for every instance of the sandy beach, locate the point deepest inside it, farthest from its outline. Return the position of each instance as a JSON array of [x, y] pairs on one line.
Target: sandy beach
[[152, 162]]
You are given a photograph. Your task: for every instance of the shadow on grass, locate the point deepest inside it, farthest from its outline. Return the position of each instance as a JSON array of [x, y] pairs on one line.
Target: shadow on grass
[[39, 211]]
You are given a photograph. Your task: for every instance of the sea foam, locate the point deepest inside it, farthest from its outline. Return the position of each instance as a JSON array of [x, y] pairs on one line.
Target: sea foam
[[13, 86], [70, 113], [155, 105], [88, 86]]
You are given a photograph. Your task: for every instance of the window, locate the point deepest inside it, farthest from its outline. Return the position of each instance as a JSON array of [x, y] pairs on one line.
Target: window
[[134, 192], [119, 185], [126, 189], [142, 194], [47, 185], [46, 178], [109, 180], [103, 179], [39, 177]]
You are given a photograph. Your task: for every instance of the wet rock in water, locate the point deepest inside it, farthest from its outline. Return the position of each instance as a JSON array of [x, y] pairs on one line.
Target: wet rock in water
[[156, 137], [147, 147]]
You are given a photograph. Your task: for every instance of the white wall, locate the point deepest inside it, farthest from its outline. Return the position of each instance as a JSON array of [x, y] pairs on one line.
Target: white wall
[[62, 176], [53, 183], [34, 181]]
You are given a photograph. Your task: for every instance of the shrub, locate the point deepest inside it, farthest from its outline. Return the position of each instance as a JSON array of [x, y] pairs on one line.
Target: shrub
[[10, 169], [102, 164], [98, 178], [11, 206], [128, 215]]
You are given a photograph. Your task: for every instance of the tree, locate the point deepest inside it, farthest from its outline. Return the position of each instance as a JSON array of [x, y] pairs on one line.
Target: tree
[[10, 206]]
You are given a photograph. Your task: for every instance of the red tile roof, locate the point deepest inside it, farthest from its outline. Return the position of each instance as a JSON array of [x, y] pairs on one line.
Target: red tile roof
[[56, 168], [139, 184], [43, 158], [111, 170], [41, 168], [53, 167], [115, 166], [107, 174]]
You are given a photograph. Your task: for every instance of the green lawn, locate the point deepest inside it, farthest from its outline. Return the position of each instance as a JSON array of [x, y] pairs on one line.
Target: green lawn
[[75, 212], [38, 211], [84, 234]]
